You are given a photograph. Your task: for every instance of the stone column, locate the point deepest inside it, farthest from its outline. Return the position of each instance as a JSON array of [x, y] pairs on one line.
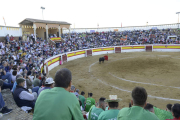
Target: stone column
[[47, 33], [69, 32], [34, 26], [59, 31]]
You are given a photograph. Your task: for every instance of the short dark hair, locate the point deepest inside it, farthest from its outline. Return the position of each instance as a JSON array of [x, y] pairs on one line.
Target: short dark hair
[[169, 106], [101, 99], [113, 104], [176, 110], [63, 78], [14, 72], [148, 107], [82, 93], [139, 96], [90, 94]]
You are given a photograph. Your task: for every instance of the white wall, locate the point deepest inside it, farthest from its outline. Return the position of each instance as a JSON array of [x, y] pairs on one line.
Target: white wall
[[11, 31]]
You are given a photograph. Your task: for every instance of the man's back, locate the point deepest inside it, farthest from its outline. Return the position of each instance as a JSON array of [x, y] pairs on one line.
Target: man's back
[[136, 113], [57, 103], [94, 113], [109, 114], [89, 103]]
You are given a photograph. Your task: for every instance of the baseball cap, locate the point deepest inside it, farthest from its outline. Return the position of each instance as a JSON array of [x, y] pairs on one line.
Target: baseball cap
[[49, 81]]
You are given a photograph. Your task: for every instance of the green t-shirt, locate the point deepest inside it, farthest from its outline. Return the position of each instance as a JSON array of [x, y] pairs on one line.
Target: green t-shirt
[[82, 99], [136, 113], [89, 103], [94, 113], [162, 114], [109, 115], [57, 104]]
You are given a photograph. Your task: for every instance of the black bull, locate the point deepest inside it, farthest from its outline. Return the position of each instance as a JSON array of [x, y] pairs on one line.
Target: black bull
[[101, 59]]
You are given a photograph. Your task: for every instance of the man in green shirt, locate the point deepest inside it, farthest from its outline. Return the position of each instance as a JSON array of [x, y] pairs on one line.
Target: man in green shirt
[[58, 103], [82, 99], [113, 111], [95, 111], [89, 102], [137, 111], [161, 114]]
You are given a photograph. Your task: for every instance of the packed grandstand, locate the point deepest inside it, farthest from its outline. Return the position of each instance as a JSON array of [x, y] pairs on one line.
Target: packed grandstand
[[34, 91]]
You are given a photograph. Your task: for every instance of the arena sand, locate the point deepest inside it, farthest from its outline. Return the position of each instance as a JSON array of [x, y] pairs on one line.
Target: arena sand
[[160, 69]]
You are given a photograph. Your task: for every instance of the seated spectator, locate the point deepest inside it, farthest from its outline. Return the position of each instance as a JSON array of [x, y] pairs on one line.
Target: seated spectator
[[89, 102], [73, 89], [67, 109], [175, 112], [168, 107], [77, 93], [49, 83], [161, 114], [149, 107], [137, 112], [4, 75], [113, 111], [36, 81], [22, 96], [82, 99], [14, 73], [15, 83], [94, 112], [3, 109]]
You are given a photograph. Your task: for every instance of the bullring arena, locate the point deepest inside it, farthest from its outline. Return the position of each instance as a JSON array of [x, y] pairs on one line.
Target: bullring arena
[[157, 71]]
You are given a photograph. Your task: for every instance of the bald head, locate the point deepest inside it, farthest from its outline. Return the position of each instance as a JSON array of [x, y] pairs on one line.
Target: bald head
[[63, 78]]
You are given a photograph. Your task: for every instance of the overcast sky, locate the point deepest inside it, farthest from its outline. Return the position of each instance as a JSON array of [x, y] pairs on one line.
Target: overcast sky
[[88, 13]]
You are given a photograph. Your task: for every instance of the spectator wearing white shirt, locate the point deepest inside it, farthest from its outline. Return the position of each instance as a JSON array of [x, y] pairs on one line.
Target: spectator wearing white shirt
[[22, 96]]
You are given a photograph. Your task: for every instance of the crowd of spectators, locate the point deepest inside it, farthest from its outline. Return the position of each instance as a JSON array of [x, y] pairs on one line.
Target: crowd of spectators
[[80, 41], [57, 98]]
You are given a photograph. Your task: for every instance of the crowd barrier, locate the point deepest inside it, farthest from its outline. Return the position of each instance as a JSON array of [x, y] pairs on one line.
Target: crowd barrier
[[60, 59]]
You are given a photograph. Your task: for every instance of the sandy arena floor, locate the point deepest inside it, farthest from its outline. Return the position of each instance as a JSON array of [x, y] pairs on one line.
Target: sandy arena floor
[[157, 72]]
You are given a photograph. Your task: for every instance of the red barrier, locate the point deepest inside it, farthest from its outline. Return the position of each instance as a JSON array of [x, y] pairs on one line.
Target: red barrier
[[149, 48], [89, 52], [117, 49]]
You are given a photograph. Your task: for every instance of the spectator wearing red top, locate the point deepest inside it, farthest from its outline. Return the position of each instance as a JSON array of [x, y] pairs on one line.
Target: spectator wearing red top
[[11, 38]]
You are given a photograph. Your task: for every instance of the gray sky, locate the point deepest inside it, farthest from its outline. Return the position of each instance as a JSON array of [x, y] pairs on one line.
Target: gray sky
[[88, 13]]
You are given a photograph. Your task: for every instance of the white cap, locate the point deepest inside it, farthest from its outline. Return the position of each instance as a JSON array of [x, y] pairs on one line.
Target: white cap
[[49, 81]]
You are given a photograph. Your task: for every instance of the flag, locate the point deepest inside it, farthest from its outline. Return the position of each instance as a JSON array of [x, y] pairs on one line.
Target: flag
[[121, 24], [4, 21], [98, 25]]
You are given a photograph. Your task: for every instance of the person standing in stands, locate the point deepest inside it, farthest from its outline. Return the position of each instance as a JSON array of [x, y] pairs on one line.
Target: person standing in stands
[[94, 112], [58, 103], [137, 111], [82, 99], [89, 102], [113, 111]]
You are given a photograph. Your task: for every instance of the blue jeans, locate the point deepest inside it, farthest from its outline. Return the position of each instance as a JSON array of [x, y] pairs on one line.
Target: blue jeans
[[2, 103], [35, 89], [7, 76], [7, 85]]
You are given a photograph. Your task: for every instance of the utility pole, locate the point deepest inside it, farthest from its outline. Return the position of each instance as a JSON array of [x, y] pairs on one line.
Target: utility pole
[[178, 18], [43, 8]]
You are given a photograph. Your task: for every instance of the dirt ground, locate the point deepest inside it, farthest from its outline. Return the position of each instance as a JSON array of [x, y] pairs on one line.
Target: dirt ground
[[157, 72]]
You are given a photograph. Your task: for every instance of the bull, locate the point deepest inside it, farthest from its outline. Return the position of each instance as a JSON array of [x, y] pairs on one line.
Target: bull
[[101, 59]]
